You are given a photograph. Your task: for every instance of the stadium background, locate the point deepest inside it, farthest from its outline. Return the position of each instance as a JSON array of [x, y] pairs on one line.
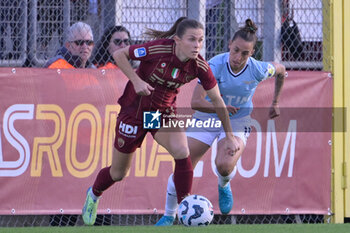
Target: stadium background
[[31, 32]]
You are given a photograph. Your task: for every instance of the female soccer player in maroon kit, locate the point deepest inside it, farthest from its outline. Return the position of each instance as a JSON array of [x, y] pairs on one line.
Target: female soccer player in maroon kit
[[167, 63]]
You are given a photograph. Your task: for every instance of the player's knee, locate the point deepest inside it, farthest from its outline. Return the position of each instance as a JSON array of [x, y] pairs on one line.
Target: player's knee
[[180, 152], [117, 176], [224, 169]]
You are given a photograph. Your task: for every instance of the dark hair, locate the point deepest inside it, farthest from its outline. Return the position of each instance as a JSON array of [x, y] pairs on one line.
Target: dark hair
[[247, 32], [179, 28], [101, 54]]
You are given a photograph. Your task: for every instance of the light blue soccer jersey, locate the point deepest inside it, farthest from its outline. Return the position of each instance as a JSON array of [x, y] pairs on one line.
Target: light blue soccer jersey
[[237, 89]]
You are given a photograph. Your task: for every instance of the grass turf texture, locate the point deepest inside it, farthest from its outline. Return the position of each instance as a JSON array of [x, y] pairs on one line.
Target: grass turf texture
[[265, 228]]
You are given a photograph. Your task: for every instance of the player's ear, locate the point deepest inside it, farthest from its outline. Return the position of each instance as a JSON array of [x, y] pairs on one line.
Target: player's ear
[[252, 52], [229, 43], [177, 39]]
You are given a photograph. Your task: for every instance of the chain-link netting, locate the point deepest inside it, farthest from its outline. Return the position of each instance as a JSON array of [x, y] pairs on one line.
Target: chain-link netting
[[134, 220], [289, 31], [35, 32]]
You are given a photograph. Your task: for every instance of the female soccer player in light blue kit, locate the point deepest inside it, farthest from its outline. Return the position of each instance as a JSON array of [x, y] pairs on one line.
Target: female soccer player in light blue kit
[[238, 75]]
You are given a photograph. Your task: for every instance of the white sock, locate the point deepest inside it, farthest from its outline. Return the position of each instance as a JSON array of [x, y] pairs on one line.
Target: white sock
[[171, 198], [93, 196], [224, 180]]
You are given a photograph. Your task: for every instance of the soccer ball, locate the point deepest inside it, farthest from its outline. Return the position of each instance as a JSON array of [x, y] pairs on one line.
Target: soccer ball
[[195, 210]]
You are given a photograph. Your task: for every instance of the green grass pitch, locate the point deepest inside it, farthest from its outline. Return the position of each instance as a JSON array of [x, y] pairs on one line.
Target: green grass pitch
[[240, 228]]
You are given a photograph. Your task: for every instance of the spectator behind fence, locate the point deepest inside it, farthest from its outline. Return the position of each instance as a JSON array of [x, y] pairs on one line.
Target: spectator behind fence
[[77, 49], [113, 38], [291, 39]]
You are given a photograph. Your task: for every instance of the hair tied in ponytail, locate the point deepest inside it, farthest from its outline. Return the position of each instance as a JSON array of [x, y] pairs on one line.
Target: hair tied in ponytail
[[252, 29]]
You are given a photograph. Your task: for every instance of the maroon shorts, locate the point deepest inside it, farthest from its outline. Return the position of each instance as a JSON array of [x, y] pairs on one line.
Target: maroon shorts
[[129, 133]]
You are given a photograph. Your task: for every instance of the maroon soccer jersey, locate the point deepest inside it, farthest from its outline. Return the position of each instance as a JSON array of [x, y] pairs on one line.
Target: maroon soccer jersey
[[161, 68]]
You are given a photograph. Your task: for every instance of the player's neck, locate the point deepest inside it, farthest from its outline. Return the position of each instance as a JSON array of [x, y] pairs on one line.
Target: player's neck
[[182, 57], [236, 70]]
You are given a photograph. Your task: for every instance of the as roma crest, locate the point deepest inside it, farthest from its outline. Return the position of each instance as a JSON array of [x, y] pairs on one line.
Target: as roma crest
[[121, 142]]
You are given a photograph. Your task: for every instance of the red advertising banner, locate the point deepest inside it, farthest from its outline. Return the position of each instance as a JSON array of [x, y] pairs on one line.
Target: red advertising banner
[[57, 132]]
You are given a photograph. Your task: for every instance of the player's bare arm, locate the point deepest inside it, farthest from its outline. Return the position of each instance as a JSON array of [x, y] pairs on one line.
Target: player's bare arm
[[279, 80], [199, 102], [121, 58], [232, 144]]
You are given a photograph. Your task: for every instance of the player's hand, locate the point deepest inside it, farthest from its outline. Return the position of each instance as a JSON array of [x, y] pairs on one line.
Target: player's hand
[[274, 111], [231, 110], [232, 145], [142, 88]]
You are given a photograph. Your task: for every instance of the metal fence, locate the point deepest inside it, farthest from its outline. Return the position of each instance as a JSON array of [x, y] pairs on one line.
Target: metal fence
[[290, 31], [134, 220]]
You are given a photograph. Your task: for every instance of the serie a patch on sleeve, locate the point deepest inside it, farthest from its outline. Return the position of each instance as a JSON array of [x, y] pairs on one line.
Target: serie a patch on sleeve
[[140, 52], [270, 70]]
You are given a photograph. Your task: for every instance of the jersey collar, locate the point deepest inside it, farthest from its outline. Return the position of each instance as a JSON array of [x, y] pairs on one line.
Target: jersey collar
[[231, 71]]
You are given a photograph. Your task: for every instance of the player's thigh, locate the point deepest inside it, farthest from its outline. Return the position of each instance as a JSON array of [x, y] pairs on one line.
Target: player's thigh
[[199, 140], [121, 163], [225, 162], [197, 149], [174, 140], [241, 130]]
